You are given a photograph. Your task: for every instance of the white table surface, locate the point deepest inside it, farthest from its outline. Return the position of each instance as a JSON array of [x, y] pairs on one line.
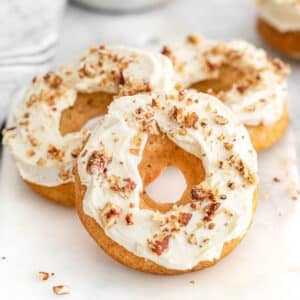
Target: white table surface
[[37, 235]]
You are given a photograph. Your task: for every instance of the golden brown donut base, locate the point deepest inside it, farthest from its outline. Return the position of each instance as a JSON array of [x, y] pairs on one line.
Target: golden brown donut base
[[286, 42], [161, 152], [62, 194], [86, 107], [262, 136]]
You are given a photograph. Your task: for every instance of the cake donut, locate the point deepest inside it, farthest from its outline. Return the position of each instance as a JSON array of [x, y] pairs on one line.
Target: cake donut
[[192, 131], [242, 76], [48, 127], [278, 24]]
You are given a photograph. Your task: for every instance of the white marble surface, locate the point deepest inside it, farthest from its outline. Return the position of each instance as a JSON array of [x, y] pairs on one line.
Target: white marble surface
[[36, 235]]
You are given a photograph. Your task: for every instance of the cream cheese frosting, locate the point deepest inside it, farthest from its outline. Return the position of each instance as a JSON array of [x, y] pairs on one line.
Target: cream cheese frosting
[[257, 97], [284, 15], [43, 155], [224, 198]]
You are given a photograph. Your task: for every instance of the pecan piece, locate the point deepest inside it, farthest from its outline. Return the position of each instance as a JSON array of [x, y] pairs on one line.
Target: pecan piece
[[199, 193], [129, 219], [176, 114], [210, 210], [53, 80], [220, 120], [43, 276], [160, 245], [184, 218], [61, 289], [110, 214], [97, 163], [190, 120]]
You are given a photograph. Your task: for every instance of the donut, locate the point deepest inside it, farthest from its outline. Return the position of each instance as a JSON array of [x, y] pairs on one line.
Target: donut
[[50, 126], [278, 24], [202, 137], [242, 76]]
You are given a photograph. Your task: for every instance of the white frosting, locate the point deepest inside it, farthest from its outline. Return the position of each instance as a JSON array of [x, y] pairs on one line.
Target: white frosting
[[284, 15], [116, 134], [261, 102], [116, 70]]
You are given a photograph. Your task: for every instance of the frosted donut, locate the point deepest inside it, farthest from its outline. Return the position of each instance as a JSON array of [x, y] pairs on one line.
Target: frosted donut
[[202, 137], [242, 76], [279, 25], [48, 127]]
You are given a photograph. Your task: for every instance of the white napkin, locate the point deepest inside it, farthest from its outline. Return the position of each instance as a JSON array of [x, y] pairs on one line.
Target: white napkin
[[28, 34]]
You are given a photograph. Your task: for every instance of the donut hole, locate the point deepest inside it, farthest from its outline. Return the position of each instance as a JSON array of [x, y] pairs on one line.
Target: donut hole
[[228, 75], [85, 108], [160, 153], [157, 190]]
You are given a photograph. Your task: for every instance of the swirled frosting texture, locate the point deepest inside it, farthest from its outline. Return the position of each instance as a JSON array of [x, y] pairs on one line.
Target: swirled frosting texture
[[220, 208], [257, 96], [284, 15], [43, 155]]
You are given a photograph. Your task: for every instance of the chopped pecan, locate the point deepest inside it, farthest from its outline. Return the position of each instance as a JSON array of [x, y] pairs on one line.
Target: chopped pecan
[[166, 51], [121, 78], [97, 163], [231, 185], [228, 146], [192, 239], [61, 290], [220, 120], [199, 193], [43, 275], [134, 151], [176, 114], [30, 153], [75, 152], [110, 214], [33, 141], [129, 219], [184, 218], [159, 245], [53, 80], [193, 39], [126, 188], [129, 186], [55, 153], [41, 162], [190, 120], [87, 70], [210, 210]]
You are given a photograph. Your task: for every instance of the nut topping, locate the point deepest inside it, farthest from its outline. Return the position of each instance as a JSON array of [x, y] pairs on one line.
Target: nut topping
[[53, 80], [220, 120], [61, 289], [159, 245], [109, 214], [97, 163], [43, 275], [210, 211], [199, 193], [190, 120], [184, 218]]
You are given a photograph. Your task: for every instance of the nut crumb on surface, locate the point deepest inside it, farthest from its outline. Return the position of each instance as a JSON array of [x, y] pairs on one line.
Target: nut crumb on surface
[[43, 276], [192, 281], [276, 179], [61, 289]]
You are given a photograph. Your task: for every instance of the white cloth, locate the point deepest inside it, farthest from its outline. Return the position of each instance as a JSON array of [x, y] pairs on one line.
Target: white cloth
[[28, 35]]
